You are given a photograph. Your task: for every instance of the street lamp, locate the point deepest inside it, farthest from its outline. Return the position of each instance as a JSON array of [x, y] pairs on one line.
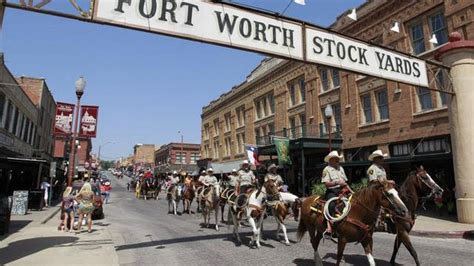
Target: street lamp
[[80, 86], [328, 113], [103, 145]]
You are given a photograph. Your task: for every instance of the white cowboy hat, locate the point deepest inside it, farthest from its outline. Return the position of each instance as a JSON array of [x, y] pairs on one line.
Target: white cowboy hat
[[272, 166], [203, 172], [234, 171], [333, 154], [377, 153], [245, 162], [175, 173], [210, 170]]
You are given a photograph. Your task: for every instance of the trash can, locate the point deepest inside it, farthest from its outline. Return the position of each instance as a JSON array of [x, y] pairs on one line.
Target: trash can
[[35, 199], [4, 215]]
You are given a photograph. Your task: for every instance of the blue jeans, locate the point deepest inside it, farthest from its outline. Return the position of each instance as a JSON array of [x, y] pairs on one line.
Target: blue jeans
[[106, 195]]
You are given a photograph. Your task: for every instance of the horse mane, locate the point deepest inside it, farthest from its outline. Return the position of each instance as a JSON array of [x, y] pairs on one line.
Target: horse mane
[[404, 186], [364, 193]]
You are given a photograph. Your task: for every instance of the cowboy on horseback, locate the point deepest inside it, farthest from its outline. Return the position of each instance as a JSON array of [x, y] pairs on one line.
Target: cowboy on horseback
[[231, 180], [246, 179], [209, 179], [272, 175], [376, 171], [334, 178]]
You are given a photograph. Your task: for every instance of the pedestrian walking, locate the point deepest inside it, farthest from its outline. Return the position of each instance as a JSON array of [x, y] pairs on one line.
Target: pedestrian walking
[[68, 209], [85, 198], [105, 189], [45, 187]]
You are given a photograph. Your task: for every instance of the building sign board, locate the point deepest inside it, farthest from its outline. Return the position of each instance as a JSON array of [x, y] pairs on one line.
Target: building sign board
[[207, 22], [64, 114], [89, 115], [337, 51]]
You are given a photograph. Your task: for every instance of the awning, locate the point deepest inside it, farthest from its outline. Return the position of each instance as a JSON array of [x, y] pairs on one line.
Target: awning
[[226, 167], [23, 160]]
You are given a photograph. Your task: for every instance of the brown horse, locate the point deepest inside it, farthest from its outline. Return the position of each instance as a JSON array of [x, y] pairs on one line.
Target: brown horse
[[188, 197], [359, 223], [418, 184]]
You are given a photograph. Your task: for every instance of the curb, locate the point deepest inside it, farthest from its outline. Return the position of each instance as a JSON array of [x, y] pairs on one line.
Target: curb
[[469, 235]]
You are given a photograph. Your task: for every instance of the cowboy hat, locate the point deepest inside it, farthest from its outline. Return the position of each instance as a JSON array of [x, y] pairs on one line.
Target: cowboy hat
[[175, 173], [245, 162], [272, 166], [234, 171], [210, 170], [333, 154], [377, 153]]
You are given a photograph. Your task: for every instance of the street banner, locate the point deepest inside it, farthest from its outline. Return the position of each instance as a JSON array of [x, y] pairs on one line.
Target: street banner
[[282, 146], [238, 27], [88, 126], [252, 154], [64, 115]]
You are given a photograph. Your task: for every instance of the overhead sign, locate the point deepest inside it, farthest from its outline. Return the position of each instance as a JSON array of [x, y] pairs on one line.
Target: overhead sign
[[88, 127], [64, 114], [207, 22], [334, 50], [246, 29]]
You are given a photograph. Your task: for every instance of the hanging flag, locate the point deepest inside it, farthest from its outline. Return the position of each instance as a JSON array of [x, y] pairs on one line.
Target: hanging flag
[[252, 154], [88, 122], [64, 114], [300, 2], [282, 145]]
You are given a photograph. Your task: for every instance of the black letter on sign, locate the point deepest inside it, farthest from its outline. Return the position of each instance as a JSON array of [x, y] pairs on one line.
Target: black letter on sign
[[329, 41], [341, 50], [380, 58], [416, 70], [274, 32], [362, 58], [260, 28], [141, 9], [249, 28], [351, 47], [120, 3], [407, 66], [288, 37], [225, 23], [189, 19], [165, 9], [316, 41], [399, 65]]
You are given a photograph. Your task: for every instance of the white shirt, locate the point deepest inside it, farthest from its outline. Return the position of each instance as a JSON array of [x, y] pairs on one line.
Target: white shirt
[[246, 178], [275, 177], [331, 174], [376, 172], [209, 180]]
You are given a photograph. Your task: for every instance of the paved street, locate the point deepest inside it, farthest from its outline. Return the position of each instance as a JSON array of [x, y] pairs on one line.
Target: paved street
[[143, 233]]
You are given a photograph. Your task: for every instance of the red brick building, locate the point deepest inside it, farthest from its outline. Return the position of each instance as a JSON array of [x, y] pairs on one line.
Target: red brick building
[[176, 157]]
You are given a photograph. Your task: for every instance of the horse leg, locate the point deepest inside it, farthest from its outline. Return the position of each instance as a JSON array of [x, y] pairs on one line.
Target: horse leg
[[259, 229], [222, 213], [217, 217], [283, 228], [174, 207], [367, 244], [404, 238], [236, 226], [315, 239], [341, 245], [254, 230]]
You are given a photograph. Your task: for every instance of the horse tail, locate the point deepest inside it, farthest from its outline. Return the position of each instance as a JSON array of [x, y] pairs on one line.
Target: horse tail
[[301, 230]]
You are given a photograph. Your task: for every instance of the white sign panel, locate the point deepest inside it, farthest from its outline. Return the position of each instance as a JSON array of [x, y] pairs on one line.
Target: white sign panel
[[341, 52], [208, 22]]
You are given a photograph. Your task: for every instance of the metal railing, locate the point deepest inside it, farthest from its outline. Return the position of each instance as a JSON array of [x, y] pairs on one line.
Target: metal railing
[[312, 131]]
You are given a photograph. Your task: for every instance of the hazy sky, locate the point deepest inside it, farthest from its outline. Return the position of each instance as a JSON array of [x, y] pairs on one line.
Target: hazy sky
[[148, 86]]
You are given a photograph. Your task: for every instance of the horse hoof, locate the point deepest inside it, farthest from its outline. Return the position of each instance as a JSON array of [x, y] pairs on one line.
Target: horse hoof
[[287, 243], [217, 228]]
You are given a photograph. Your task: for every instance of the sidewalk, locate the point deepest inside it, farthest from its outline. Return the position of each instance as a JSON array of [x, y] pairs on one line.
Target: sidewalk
[[35, 240], [434, 227]]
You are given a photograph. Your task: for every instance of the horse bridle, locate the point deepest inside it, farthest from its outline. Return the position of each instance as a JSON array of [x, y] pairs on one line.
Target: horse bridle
[[430, 186]]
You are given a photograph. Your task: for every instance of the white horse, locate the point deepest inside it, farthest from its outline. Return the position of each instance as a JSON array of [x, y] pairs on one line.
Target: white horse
[[173, 195], [280, 210], [254, 211], [210, 201]]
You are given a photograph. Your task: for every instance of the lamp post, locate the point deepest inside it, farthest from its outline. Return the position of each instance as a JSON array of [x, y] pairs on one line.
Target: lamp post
[[328, 113], [80, 86], [103, 145]]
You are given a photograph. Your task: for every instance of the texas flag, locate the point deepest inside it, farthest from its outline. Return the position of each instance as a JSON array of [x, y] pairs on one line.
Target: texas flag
[[252, 154]]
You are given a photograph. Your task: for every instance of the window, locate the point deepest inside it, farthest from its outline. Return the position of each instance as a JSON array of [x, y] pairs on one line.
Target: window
[[401, 149], [433, 146], [206, 131], [24, 127], [240, 143], [16, 117], [240, 112], [335, 78], [271, 129], [3, 101], [324, 79], [271, 101], [424, 99], [257, 135], [292, 94], [302, 90], [206, 151], [303, 124], [292, 127], [195, 157], [438, 28], [366, 108], [216, 149], [27, 130], [227, 122], [8, 117], [440, 85], [417, 38], [382, 104], [180, 158], [216, 127], [336, 109], [227, 143], [20, 125]]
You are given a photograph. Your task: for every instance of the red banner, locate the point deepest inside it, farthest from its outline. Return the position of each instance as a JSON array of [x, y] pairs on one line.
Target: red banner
[[64, 115], [88, 127]]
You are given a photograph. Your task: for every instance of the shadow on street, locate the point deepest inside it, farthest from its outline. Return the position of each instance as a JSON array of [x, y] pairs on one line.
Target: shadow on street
[[22, 248]]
